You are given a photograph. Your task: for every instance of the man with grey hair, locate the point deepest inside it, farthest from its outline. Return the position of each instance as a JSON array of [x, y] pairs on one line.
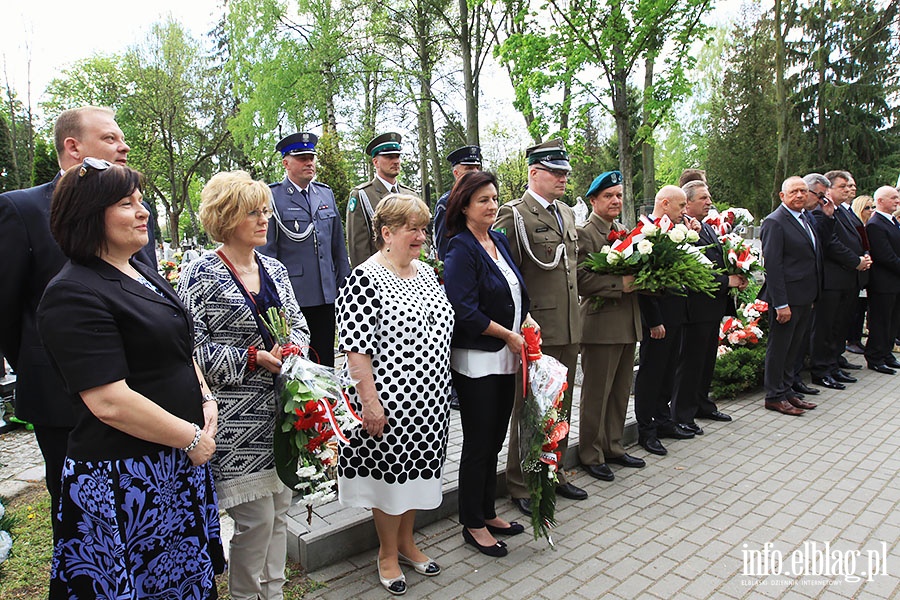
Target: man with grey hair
[[696, 359], [845, 266], [792, 248], [883, 232]]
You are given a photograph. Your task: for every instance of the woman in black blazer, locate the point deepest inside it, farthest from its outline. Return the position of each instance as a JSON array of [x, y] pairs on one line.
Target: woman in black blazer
[[491, 304], [138, 514]]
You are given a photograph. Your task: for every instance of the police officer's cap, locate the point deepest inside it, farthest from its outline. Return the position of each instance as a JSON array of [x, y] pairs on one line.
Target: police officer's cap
[[551, 154], [297, 143], [603, 181], [467, 155], [386, 143]]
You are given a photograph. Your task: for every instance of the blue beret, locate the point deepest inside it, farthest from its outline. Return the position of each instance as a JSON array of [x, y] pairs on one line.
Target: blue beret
[[603, 181]]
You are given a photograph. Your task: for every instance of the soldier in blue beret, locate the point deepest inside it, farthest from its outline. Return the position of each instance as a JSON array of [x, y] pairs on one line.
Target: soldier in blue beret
[[385, 151], [308, 237], [462, 160]]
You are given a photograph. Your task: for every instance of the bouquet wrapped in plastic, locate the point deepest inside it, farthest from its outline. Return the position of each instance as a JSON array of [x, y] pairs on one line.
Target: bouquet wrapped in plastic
[[311, 417], [541, 427]]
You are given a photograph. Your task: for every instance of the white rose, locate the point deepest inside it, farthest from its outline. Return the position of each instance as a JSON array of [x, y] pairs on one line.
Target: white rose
[[677, 236], [682, 228], [613, 257], [650, 230], [692, 236], [645, 247], [5, 545], [605, 249]]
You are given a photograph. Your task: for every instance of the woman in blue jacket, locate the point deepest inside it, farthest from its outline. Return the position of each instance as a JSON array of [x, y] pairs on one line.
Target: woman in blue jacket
[[491, 305]]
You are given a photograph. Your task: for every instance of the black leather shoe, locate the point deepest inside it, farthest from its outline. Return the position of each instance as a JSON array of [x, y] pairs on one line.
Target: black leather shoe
[[653, 446], [892, 362], [843, 377], [513, 529], [497, 550], [716, 416], [882, 369], [829, 383], [523, 504], [855, 348], [601, 472], [804, 389], [843, 363], [675, 432], [798, 395], [692, 427], [572, 492], [626, 460]]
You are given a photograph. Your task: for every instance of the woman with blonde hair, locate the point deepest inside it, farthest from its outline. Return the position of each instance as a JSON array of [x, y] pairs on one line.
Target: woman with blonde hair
[[395, 323], [863, 207], [228, 292]]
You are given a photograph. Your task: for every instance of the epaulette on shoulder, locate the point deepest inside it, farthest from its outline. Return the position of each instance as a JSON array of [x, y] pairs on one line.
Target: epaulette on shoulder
[[320, 184]]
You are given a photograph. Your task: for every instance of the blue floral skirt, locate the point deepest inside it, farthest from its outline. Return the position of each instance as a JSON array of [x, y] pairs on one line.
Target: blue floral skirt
[[137, 528]]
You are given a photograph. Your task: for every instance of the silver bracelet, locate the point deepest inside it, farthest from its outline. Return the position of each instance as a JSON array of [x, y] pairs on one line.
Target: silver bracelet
[[209, 397], [196, 440]]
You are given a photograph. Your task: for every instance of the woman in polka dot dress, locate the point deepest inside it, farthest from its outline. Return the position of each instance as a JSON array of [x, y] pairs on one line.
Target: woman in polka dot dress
[[395, 325]]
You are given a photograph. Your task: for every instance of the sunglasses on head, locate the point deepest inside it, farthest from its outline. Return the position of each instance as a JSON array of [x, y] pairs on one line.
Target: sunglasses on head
[[98, 164]]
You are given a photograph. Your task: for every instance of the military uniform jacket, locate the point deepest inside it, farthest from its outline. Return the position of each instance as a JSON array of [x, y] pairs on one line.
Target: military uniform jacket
[[308, 238], [364, 200], [617, 320], [547, 259]]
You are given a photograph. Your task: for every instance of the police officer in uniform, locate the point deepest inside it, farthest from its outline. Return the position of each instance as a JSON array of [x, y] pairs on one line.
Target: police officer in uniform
[[462, 161], [385, 151], [543, 240], [307, 236]]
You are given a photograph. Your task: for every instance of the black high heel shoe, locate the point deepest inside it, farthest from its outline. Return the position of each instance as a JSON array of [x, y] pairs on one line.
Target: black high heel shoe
[[497, 550], [513, 529]]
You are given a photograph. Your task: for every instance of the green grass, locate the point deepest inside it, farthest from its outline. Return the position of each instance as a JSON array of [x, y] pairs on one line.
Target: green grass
[[26, 574]]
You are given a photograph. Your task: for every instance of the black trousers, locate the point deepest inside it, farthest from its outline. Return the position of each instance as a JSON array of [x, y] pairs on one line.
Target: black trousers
[[694, 373], [320, 320], [833, 311], [53, 442], [786, 343], [655, 380], [857, 321], [485, 404], [884, 318]]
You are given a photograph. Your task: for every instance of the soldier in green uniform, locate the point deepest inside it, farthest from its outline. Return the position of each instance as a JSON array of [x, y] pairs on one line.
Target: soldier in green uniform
[[385, 151], [544, 243]]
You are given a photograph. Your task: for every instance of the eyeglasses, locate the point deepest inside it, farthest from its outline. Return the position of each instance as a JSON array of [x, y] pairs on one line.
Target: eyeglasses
[[556, 173], [93, 163], [265, 212], [819, 195], [867, 207]]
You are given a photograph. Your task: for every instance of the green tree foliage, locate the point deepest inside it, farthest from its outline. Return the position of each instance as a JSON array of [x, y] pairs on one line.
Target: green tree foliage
[[46, 165], [8, 168]]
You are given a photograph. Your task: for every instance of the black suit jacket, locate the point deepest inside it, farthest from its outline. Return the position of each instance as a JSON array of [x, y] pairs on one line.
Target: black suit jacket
[[479, 291], [842, 251], [700, 307], [101, 326], [884, 246], [793, 264], [29, 259]]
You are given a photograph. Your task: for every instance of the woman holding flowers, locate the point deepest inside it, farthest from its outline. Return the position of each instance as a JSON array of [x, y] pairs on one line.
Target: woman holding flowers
[[491, 303], [138, 514], [228, 292], [395, 323]]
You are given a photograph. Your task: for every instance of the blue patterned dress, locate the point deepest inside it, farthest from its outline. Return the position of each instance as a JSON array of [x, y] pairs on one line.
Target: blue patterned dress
[[136, 519]]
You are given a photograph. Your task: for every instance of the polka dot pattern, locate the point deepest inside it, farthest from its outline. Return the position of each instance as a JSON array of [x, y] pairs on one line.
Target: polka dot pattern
[[406, 326]]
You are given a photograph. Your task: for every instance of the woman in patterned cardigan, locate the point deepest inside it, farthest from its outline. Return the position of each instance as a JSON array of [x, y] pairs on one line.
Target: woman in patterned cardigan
[[227, 291]]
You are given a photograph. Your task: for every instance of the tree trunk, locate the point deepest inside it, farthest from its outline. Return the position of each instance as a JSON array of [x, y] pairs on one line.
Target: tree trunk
[[623, 132], [648, 164], [781, 102], [470, 86]]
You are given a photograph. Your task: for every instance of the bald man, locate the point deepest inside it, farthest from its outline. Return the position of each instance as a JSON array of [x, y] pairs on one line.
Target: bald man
[[661, 320], [883, 232]]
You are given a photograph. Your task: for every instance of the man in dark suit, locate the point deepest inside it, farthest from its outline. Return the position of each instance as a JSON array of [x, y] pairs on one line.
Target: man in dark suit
[[544, 245], [883, 232], [31, 258], [385, 151], [700, 334], [308, 238], [611, 328], [792, 250], [844, 262]]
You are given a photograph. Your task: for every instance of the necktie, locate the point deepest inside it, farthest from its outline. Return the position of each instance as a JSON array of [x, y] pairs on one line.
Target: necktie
[[394, 189], [551, 208]]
